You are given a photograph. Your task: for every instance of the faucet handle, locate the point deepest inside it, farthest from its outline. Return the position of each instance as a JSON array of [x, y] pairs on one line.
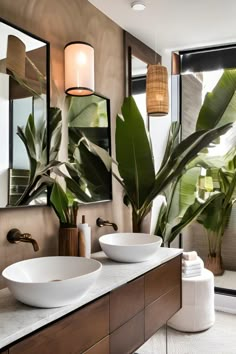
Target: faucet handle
[[14, 235]]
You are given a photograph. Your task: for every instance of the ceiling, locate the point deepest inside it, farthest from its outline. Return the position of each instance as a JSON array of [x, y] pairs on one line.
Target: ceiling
[[175, 24]]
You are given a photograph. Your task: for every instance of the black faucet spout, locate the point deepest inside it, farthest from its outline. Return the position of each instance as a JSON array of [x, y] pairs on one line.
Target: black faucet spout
[[14, 236], [100, 223]]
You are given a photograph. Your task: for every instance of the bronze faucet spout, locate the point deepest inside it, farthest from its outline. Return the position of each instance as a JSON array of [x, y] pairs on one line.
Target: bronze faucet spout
[[100, 223], [14, 236]]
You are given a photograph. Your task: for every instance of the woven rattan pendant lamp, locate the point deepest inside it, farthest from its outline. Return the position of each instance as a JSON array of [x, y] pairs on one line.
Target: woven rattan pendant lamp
[[157, 97]]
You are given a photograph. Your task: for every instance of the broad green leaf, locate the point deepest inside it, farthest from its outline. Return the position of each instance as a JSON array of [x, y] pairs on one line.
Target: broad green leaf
[[161, 221], [133, 153], [59, 202], [217, 107], [85, 118], [100, 152], [171, 142], [55, 133], [187, 190], [169, 172], [78, 192], [191, 214], [95, 173], [35, 141], [88, 111]]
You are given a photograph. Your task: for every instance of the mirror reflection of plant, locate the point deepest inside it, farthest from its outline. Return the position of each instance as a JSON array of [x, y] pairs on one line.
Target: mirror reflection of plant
[[35, 141], [91, 166], [87, 117], [85, 112]]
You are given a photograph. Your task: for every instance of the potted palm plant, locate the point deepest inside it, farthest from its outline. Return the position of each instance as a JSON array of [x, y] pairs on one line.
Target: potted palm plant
[[66, 208], [215, 216]]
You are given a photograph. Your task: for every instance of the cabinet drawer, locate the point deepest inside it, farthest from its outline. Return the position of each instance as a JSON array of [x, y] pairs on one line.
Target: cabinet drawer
[[73, 334], [126, 302], [162, 279], [159, 312], [102, 347], [128, 337], [5, 352]]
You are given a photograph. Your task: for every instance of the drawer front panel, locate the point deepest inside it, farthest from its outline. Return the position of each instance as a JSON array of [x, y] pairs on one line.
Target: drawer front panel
[[162, 279], [73, 334], [126, 302], [102, 347], [128, 337], [5, 352], [160, 311]]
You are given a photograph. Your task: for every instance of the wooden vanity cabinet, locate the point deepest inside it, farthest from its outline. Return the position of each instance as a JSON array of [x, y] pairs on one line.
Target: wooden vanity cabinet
[[4, 352], [162, 295], [117, 323], [75, 333], [102, 347], [126, 302]]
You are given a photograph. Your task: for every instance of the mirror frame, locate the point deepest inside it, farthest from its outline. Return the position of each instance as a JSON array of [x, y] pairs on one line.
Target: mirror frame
[[133, 46], [47, 44], [108, 108]]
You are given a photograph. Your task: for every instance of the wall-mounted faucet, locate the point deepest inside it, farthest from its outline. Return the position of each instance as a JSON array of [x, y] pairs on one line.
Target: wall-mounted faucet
[[15, 236], [100, 222]]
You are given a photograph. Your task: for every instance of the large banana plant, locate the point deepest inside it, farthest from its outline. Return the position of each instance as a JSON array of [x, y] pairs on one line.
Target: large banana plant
[[218, 109], [135, 159]]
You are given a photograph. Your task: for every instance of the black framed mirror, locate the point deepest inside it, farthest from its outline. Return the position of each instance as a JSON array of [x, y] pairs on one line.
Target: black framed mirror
[[89, 138], [137, 57], [24, 92]]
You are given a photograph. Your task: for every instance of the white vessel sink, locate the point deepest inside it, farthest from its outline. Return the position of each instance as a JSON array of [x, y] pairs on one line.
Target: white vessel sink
[[51, 281], [130, 247]]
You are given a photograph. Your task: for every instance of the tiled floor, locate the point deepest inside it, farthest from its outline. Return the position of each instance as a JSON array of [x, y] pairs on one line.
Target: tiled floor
[[219, 339]]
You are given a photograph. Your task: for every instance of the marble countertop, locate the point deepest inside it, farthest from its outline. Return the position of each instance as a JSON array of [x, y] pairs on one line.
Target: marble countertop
[[17, 320]]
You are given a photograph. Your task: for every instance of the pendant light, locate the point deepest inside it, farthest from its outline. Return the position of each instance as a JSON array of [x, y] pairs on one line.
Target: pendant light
[[157, 96], [79, 69]]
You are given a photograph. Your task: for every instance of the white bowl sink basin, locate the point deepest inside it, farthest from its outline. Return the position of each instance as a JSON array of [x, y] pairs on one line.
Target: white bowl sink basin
[[130, 247], [51, 281]]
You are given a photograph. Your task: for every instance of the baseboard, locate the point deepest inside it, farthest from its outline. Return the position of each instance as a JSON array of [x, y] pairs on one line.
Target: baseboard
[[225, 303]]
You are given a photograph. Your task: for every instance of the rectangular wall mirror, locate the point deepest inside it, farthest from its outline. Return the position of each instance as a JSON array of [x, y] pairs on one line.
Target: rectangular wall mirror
[[89, 131], [137, 57], [24, 77]]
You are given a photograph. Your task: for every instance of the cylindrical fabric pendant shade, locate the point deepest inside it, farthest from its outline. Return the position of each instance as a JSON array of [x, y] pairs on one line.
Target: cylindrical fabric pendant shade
[[157, 96], [79, 69]]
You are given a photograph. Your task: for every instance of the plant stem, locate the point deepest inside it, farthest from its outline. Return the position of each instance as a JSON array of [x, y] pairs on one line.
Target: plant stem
[[137, 221]]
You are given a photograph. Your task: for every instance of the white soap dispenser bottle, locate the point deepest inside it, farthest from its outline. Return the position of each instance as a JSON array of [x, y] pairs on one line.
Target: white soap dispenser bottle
[[84, 239]]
